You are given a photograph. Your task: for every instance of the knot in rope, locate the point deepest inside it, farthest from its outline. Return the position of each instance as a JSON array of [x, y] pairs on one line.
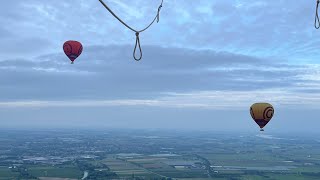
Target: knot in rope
[[316, 19]]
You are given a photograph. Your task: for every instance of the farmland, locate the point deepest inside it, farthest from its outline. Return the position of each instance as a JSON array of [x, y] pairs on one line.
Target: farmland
[[125, 154]]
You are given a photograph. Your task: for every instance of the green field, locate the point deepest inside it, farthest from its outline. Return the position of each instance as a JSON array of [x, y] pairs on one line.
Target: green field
[[49, 171], [6, 173]]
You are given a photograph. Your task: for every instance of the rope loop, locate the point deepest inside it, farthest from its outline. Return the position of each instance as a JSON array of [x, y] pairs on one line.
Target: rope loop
[[135, 48], [316, 19]]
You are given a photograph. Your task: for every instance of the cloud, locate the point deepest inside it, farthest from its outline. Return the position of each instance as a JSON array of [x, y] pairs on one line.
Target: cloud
[[110, 71], [232, 100], [253, 28], [107, 76], [23, 46], [201, 57]]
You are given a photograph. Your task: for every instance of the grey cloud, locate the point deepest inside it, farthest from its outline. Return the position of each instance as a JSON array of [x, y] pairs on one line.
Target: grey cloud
[[24, 46], [111, 73], [273, 29], [251, 48]]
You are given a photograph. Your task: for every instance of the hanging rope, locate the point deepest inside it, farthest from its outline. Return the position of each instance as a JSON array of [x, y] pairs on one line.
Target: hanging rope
[[136, 31], [316, 19]]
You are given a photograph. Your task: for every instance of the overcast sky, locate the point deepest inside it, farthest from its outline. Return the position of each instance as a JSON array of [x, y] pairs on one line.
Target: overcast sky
[[203, 64]]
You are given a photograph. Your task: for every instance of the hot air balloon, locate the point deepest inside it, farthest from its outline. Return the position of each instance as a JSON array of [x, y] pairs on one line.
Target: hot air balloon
[[72, 49], [261, 113]]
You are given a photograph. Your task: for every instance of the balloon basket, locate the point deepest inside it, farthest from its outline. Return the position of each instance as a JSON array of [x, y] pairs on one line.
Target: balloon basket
[[261, 129], [72, 62]]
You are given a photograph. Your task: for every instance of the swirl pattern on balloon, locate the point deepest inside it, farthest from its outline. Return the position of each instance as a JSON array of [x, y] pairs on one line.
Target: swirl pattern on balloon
[[268, 113], [72, 49]]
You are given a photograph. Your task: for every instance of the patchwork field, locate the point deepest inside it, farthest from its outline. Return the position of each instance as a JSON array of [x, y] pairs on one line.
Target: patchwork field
[[130, 155]]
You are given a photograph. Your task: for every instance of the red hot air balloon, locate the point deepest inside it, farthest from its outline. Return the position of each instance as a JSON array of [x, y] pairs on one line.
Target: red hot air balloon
[[72, 49]]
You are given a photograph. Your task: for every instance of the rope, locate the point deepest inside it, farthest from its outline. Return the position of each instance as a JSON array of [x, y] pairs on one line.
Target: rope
[[316, 19], [135, 47], [157, 17]]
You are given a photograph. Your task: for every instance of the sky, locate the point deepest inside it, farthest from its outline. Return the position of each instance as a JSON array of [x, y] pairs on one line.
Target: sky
[[204, 64]]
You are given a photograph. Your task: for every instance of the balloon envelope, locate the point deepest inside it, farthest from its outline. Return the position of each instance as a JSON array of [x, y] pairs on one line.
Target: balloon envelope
[[261, 113], [72, 49]]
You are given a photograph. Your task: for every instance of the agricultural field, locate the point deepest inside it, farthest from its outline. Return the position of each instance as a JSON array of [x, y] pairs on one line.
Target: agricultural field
[[98, 155], [49, 171], [6, 173]]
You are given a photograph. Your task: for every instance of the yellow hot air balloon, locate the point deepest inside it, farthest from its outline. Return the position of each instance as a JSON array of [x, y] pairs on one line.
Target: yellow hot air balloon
[[261, 113]]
